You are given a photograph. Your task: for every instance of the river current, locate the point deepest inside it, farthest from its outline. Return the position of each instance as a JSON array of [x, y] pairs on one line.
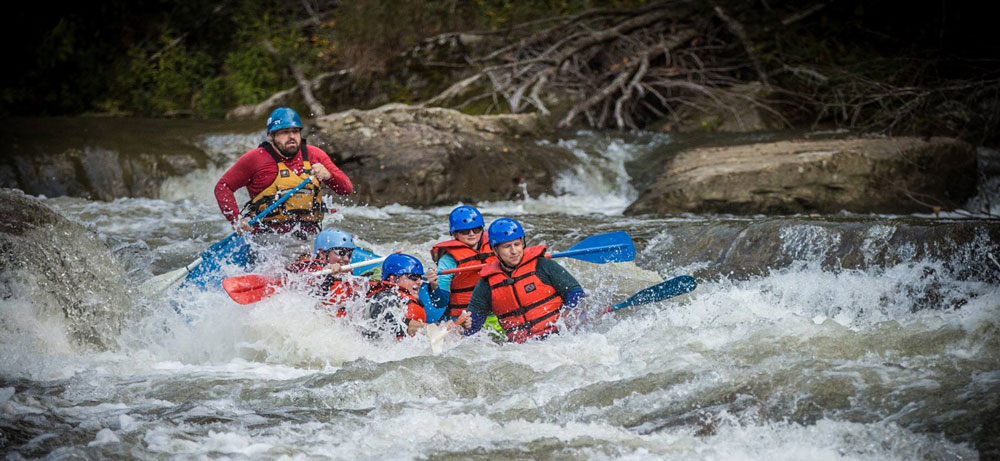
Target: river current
[[897, 360]]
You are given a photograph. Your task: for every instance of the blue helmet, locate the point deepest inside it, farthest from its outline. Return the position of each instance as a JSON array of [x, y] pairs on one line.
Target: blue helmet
[[398, 264], [283, 117], [464, 217], [333, 238], [504, 230]]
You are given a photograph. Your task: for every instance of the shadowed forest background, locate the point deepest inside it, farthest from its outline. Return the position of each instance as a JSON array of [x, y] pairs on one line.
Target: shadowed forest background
[[925, 67]]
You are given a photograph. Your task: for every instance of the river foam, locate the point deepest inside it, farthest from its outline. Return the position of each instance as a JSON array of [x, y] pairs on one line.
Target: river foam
[[896, 358]]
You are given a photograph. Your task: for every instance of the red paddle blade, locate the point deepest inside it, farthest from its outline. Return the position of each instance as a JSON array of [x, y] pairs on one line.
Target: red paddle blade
[[250, 288]]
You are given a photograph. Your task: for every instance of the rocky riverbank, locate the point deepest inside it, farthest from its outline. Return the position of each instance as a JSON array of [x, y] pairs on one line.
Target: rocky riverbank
[[419, 157]]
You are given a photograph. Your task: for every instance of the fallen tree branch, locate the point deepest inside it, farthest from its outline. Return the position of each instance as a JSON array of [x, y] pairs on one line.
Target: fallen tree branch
[[305, 85], [737, 29], [792, 19]]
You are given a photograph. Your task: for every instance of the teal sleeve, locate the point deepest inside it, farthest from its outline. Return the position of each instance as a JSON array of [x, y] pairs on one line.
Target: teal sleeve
[[446, 262]]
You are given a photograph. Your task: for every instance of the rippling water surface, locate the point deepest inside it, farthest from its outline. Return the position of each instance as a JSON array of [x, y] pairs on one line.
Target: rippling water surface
[[802, 362]]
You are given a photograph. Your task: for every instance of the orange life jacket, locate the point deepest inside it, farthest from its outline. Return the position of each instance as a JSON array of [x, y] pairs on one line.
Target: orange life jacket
[[525, 306], [305, 206], [463, 282]]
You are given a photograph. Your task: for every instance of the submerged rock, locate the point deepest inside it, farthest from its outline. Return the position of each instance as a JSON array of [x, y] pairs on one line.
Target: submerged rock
[[882, 175], [740, 249], [429, 156], [62, 267]]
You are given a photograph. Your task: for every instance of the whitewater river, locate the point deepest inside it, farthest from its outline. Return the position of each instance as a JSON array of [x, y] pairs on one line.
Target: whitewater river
[[896, 359]]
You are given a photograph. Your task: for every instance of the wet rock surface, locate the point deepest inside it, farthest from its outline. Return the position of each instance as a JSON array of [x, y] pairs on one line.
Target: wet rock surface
[[879, 175], [740, 249], [62, 267], [428, 156], [99, 159]]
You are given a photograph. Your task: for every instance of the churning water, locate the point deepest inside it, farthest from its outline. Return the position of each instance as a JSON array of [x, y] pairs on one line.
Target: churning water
[[896, 360]]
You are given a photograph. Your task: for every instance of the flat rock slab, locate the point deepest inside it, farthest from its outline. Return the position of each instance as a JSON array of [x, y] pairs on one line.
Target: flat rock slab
[[861, 175]]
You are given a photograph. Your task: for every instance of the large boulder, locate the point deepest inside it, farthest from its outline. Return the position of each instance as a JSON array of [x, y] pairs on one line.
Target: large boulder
[[430, 156], [98, 158], [60, 270], [879, 175]]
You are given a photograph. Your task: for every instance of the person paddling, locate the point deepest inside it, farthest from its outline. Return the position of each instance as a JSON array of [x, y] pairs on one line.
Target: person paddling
[[399, 294], [526, 291], [279, 164], [469, 246], [332, 249]]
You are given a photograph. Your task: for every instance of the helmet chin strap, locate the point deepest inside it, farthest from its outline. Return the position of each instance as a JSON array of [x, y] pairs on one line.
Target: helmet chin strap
[[277, 148]]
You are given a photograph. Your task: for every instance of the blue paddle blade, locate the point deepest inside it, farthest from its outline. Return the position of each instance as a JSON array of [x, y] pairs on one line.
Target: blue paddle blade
[[361, 255], [613, 247], [659, 292], [233, 250]]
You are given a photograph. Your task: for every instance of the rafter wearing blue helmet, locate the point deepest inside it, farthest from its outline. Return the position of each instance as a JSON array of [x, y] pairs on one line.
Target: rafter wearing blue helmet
[[524, 289], [275, 167], [398, 294], [469, 246], [332, 249]]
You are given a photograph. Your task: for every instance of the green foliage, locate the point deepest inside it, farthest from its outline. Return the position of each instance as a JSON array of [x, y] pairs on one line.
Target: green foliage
[[213, 100], [250, 76], [204, 57], [167, 80]]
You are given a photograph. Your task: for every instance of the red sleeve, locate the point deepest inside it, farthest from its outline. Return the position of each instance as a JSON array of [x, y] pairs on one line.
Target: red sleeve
[[415, 312], [237, 176], [338, 182]]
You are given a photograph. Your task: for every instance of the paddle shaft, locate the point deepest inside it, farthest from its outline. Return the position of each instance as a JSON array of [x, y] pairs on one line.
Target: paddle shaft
[[164, 281], [352, 266], [267, 211], [560, 254]]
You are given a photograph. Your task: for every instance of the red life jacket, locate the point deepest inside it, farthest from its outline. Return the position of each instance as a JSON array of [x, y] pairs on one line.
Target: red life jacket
[[414, 308], [338, 292], [306, 265], [463, 282], [525, 306]]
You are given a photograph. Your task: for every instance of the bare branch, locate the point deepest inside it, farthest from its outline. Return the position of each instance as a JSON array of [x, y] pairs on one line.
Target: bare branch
[[737, 28], [791, 19]]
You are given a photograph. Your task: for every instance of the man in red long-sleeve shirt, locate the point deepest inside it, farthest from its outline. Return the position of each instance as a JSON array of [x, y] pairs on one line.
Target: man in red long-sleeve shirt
[[269, 171]]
